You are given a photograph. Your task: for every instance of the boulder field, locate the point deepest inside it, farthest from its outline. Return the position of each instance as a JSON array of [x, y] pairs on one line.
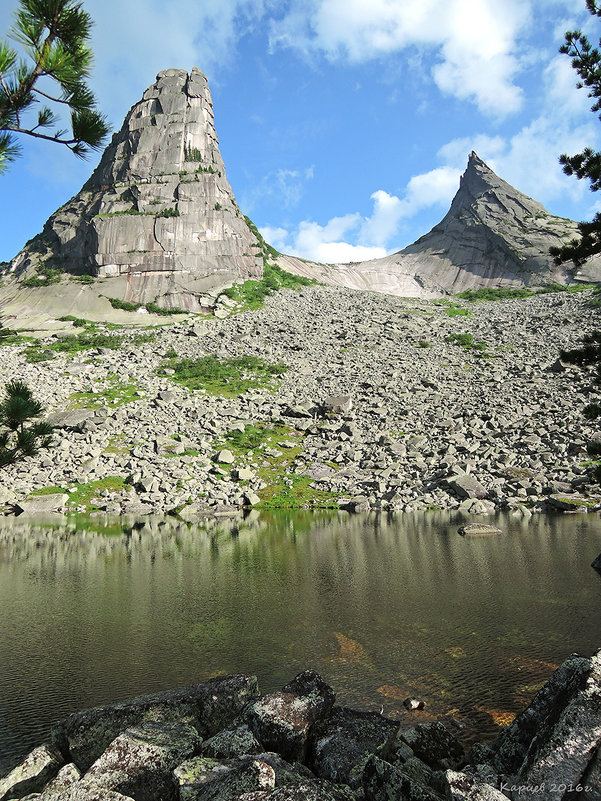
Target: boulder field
[[222, 740], [375, 402]]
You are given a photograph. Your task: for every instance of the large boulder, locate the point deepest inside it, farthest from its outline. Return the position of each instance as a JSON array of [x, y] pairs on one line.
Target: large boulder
[[281, 720], [461, 787], [342, 744], [566, 743], [538, 721], [232, 742], [139, 762], [209, 707], [313, 791]]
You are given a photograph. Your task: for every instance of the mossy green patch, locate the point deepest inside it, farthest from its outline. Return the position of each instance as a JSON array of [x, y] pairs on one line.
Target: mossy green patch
[[467, 342], [115, 393], [251, 294], [513, 293], [89, 495], [86, 495], [228, 377]]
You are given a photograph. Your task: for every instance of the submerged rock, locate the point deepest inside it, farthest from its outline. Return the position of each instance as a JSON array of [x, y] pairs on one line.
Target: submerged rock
[[478, 530]]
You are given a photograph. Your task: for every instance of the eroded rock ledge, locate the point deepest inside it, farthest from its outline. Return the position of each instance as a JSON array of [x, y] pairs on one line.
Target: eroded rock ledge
[[222, 740]]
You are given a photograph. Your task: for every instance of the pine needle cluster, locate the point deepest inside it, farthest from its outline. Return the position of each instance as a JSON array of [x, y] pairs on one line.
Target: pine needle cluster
[[53, 35], [18, 440]]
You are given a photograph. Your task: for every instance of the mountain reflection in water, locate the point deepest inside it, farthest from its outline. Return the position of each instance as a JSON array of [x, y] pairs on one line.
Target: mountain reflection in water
[[382, 607]]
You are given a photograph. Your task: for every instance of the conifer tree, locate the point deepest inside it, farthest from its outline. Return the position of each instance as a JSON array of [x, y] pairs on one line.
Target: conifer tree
[[586, 60], [17, 408], [53, 35]]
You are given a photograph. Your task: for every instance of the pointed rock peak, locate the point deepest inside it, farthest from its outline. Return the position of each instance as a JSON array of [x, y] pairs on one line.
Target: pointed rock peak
[[478, 176], [158, 208]]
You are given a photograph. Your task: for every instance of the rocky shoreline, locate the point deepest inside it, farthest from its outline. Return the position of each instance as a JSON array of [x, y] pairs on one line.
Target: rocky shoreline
[[222, 740], [384, 405]]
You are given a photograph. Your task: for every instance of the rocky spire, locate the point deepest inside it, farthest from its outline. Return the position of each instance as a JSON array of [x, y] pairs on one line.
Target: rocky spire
[[492, 233], [158, 208]]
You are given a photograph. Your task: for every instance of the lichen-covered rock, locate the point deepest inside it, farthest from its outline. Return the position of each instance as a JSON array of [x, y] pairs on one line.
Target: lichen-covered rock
[[139, 762], [513, 743], [210, 707], [434, 744], [313, 791], [81, 791], [385, 782], [231, 743], [343, 743], [281, 720], [33, 773], [566, 743], [194, 776], [206, 779], [67, 776], [461, 787]]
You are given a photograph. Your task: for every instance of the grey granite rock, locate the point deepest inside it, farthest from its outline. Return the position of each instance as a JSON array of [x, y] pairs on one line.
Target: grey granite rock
[[492, 235], [33, 773], [342, 744], [282, 720], [209, 707], [139, 761], [158, 208]]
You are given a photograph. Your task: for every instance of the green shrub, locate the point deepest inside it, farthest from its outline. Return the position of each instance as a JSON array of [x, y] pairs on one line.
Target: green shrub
[[168, 213], [124, 305], [467, 341], [43, 277], [152, 308]]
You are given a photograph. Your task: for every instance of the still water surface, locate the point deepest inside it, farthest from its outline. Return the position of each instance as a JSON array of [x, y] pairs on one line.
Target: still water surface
[[382, 607]]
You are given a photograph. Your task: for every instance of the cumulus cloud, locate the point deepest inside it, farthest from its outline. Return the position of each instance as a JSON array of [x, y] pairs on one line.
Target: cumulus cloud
[[475, 42], [352, 237]]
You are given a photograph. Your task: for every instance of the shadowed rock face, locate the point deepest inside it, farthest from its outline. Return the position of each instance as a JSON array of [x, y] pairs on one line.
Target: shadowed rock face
[[493, 235], [158, 208]]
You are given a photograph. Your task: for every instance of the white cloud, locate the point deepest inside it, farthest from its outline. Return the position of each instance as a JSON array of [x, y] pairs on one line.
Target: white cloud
[[475, 40], [352, 237]]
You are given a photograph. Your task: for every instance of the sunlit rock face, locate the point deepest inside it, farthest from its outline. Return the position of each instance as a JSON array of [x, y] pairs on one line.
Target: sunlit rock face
[[493, 235], [158, 208]]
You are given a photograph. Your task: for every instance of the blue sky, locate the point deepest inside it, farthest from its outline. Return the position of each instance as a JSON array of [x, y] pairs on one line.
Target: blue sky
[[344, 124]]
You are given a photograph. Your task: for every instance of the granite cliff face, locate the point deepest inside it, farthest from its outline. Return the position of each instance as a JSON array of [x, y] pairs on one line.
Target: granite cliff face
[[493, 235], [158, 209]]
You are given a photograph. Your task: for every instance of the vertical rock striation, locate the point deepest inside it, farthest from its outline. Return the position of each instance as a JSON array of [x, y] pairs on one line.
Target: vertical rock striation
[[158, 209]]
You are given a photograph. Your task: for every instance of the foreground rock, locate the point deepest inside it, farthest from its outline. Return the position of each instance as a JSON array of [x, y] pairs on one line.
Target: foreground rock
[[341, 754]]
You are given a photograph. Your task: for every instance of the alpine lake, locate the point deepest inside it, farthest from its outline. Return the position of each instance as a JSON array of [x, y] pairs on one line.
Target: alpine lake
[[94, 610]]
